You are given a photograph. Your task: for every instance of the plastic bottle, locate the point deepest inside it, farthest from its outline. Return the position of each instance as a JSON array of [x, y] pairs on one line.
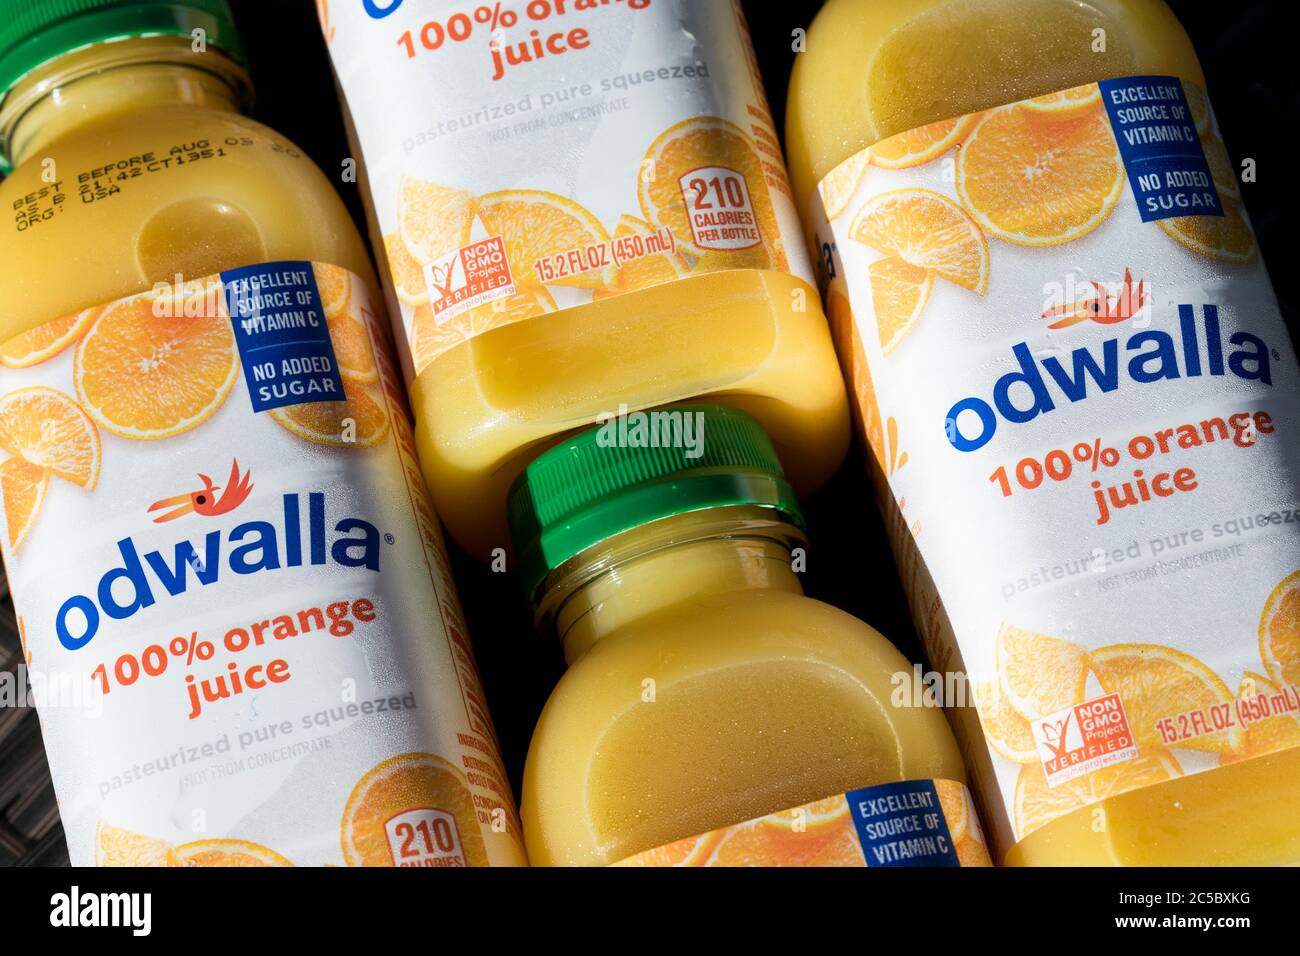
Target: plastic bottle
[[581, 207], [704, 689], [238, 620], [1069, 362]]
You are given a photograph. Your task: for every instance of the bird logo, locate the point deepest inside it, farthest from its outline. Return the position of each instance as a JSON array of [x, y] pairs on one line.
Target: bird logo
[[206, 501], [1103, 307]]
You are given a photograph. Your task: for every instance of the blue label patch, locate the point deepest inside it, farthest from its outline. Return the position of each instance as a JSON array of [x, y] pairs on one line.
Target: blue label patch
[[902, 824], [1162, 153], [284, 344]]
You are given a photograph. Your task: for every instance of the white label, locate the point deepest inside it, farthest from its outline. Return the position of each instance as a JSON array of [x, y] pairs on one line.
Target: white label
[[239, 625], [569, 131], [1088, 421]]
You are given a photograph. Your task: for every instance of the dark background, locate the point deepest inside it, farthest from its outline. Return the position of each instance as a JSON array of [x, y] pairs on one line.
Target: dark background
[[1245, 49]]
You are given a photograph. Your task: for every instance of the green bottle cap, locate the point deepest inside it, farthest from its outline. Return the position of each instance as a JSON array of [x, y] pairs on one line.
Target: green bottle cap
[[638, 468], [33, 32]]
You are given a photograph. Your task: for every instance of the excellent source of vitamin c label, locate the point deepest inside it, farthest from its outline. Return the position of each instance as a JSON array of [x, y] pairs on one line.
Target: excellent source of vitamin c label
[[1072, 371], [236, 610], [536, 156]]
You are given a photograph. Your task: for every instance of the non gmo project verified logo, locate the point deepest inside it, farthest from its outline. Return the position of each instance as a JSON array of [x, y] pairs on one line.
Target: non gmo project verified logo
[[1083, 737], [469, 277]]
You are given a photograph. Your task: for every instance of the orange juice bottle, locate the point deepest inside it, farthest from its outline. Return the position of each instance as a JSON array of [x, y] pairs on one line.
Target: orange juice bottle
[[713, 715], [580, 206], [238, 621], [1068, 359]]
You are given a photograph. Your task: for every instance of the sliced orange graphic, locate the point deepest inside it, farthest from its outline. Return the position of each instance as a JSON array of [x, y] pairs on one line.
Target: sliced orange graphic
[[22, 640], [1278, 731], [117, 847], [1038, 179], [1279, 631], [358, 422], [147, 377], [228, 853], [756, 844], [192, 297], [352, 349], [842, 182], [1227, 237], [819, 813], [956, 807], [1156, 682], [45, 341], [535, 224], [1039, 675], [407, 273], [971, 852], [921, 145], [1221, 168], [50, 430], [928, 230], [1064, 101], [1007, 731], [1200, 107], [649, 270], [1035, 803], [854, 361], [899, 292], [429, 339], [335, 287], [692, 851], [414, 781], [433, 220], [704, 141], [527, 303], [22, 489]]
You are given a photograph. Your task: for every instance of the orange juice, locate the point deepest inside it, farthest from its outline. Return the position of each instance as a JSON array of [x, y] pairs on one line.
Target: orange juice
[[713, 715], [579, 207], [237, 615], [1068, 360]]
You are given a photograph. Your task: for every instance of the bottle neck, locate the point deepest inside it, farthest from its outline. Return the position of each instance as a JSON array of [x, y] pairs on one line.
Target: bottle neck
[[667, 564], [105, 81]]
